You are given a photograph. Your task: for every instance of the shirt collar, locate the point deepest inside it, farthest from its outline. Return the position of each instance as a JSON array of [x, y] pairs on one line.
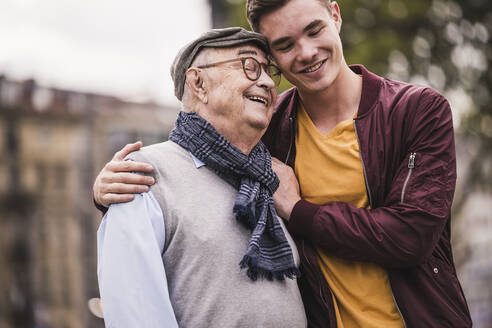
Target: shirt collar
[[198, 162]]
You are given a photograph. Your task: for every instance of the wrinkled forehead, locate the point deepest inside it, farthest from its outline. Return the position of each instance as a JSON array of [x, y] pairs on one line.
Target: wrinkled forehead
[[246, 50]]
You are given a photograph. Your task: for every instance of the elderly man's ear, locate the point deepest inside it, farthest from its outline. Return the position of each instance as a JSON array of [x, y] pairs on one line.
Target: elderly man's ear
[[196, 84]]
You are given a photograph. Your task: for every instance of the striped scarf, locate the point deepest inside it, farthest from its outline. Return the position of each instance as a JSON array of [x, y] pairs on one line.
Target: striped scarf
[[269, 254]]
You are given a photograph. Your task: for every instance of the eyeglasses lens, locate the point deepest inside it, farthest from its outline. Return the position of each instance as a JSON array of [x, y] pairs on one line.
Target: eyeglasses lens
[[252, 69]]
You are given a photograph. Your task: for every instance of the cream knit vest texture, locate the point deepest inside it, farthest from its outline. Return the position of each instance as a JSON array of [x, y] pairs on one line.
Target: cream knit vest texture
[[203, 248]]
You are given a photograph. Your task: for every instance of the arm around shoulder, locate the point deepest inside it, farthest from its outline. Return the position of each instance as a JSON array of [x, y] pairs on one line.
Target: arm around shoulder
[[116, 183]]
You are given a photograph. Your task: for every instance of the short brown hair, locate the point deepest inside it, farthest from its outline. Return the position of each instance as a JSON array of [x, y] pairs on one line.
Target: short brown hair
[[255, 9]]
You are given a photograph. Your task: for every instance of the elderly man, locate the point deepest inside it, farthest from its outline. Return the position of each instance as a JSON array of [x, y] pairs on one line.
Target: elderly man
[[174, 255]]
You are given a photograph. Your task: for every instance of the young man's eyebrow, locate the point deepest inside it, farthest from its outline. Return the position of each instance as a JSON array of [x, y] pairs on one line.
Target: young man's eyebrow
[[279, 41], [246, 52], [308, 27], [313, 24]]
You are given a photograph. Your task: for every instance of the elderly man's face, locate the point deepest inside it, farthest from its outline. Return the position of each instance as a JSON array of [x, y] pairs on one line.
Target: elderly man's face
[[234, 99]]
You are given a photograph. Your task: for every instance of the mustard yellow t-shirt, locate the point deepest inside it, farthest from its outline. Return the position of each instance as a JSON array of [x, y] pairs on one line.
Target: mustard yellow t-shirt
[[329, 169]]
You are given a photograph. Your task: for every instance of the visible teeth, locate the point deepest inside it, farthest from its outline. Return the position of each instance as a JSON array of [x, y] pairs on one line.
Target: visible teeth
[[260, 99], [313, 68]]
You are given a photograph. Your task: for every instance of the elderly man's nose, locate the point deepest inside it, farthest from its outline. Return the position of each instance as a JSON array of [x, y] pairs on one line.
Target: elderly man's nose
[[265, 81]]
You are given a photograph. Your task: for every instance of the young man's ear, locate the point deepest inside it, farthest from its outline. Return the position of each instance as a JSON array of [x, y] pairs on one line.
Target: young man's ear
[[196, 83], [335, 15]]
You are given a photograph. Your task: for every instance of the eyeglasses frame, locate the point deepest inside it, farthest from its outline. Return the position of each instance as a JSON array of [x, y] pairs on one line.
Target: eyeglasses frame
[[262, 66]]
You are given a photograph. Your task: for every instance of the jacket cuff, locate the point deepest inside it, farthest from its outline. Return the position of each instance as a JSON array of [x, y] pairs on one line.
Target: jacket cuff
[[302, 217], [100, 207]]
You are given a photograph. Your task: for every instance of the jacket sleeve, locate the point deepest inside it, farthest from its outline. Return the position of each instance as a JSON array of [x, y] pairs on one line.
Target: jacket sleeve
[[405, 229]]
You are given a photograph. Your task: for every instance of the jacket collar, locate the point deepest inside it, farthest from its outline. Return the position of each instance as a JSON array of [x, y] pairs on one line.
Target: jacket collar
[[371, 87]]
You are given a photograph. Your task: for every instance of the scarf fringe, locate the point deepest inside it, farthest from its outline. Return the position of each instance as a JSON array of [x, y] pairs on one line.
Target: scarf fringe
[[245, 214], [254, 272]]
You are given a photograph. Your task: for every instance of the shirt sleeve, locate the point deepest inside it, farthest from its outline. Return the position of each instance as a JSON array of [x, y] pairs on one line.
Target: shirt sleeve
[[131, 274]]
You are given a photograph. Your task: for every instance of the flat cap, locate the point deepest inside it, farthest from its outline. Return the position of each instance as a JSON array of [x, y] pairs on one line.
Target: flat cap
[[216, 38]]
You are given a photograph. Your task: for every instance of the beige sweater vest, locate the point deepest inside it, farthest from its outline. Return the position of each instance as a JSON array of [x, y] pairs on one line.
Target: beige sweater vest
[[203, 248]]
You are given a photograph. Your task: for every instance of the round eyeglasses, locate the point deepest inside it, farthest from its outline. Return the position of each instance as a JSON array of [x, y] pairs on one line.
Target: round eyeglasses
[[252, 68]]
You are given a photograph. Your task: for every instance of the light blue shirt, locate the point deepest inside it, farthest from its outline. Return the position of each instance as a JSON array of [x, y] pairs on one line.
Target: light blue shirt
[[131, 274]]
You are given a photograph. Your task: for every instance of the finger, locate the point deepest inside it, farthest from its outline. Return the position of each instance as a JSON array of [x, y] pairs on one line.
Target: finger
[[128, 166], [132, 178], [121, 154], [276, 166], [109, 199], [123, 188]]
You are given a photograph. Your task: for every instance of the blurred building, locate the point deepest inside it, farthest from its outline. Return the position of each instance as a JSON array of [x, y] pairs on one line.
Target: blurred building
[[53, 143]]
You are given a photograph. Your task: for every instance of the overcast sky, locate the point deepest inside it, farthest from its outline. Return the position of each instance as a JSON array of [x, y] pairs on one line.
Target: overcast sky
[[118, 47]]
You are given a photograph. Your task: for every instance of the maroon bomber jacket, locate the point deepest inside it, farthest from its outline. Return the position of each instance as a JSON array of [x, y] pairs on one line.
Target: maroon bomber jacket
[[406, 143]]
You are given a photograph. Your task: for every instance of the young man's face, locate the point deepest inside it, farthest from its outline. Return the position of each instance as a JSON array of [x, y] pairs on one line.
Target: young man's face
[[305, 42]]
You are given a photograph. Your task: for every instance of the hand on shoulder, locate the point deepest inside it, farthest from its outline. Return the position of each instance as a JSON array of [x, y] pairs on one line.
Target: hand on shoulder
[[116, 183]]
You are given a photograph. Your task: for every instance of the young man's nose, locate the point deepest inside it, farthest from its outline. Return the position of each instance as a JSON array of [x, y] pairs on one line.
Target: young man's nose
[[306, 51]]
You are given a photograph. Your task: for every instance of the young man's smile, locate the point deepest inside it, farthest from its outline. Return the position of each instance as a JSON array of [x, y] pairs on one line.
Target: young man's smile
[[313, 68]]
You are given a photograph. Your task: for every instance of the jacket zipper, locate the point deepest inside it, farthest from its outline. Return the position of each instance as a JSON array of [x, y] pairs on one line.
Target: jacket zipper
[[398, 308], [363, 168], [370, 204], [291, 139], [319, 276], [411, 165]]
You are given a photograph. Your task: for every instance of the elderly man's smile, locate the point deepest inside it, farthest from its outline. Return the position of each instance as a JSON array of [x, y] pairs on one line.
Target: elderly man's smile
[[265, 100]]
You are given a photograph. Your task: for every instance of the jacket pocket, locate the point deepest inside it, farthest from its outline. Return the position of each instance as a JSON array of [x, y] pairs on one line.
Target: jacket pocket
[[447, 287], [411, 165], [427, 183]]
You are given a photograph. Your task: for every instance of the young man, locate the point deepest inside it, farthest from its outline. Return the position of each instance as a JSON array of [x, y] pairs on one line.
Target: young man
[[171, 256], [374, 161]]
